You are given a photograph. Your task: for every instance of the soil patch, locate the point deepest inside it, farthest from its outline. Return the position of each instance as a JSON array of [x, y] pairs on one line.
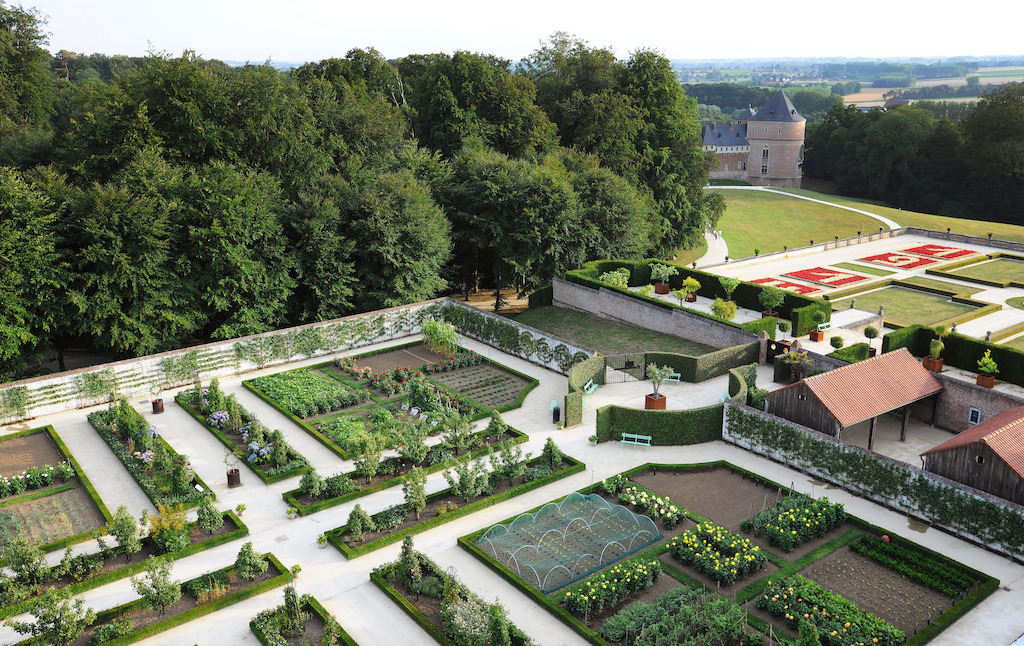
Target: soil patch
[[650, 595], [487, 385], [51, 518], [20, 453], [727, 499], [413, 357]]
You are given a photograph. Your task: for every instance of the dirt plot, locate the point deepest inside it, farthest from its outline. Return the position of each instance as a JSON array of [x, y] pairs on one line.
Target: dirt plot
[[51, 518], [486, 385], [414, 357], [20, 453], [727, 499]]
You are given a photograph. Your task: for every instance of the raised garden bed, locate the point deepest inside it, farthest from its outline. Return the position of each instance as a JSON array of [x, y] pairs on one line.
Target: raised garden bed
[[271, 626], [266, 452], [52, 508], [101, 568], [163, 474]]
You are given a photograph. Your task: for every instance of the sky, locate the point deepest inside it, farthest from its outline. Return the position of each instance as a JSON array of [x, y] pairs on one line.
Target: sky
[[311, 30]]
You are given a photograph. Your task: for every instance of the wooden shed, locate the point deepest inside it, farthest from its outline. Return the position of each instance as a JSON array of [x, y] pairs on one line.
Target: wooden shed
[[834, 400], [989, 456]]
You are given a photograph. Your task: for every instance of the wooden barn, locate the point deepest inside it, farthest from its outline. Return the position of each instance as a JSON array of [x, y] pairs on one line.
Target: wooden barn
[[989, 456], [837, 399]]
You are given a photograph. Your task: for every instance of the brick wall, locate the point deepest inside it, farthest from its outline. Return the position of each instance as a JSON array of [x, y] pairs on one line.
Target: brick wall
[[957, 398]]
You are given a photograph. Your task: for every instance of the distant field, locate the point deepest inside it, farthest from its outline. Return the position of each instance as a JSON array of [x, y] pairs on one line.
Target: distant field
[[767, 221]]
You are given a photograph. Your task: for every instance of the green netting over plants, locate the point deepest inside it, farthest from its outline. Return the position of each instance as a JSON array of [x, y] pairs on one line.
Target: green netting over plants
[[565, 541]]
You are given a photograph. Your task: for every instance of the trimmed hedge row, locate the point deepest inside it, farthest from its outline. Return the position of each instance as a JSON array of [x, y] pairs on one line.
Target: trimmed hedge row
[[134, 568], [542, 296], [851, 353], [718, 363], [334, 535], [666, 428], [573, 411], [584, 371], [961, 351], [313, 605], [518, 437], [411, 610]]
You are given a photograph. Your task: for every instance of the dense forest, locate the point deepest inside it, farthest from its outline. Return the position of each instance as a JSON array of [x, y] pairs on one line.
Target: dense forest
[[148, 202]]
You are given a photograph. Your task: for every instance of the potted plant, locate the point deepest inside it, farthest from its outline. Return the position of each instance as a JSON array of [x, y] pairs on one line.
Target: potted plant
[[657, 375], [661, 273], [770, 297], [593, 439], [870, 332], [724, 309], [817, 334], [321, 540], [784, 326], [292, 512], [988, 369], [234, 475], [691, 285], [158, 401], [729, 285], [934, 361], [240, 509], [799, 364]]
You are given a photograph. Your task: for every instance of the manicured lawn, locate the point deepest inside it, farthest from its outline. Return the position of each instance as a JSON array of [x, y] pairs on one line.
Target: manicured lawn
[[941, 284], [907, 306], [686, 256], [768, 221], [864, 269], [1000, 269], [1016, 344], [607, 337]]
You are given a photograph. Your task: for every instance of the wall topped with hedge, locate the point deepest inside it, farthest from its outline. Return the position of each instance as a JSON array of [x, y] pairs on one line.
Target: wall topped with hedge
[[961, 351]]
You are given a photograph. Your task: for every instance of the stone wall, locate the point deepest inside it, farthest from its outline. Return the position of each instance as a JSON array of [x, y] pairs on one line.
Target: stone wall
[[616, 306], [957, 398]]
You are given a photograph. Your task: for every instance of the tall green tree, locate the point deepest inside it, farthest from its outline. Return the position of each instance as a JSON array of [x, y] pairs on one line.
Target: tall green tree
[[994, 154], [59, 620], [26, 84]]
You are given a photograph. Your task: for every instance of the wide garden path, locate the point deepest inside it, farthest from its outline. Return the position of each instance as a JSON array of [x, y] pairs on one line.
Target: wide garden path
[[344, 587]]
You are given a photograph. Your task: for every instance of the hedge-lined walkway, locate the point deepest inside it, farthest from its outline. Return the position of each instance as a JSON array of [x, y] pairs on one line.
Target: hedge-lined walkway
[[344, 587]]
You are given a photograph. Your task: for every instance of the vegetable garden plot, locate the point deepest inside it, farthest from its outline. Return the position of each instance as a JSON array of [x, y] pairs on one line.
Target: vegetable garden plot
[[306, 393], [567, 540], [487, 385]]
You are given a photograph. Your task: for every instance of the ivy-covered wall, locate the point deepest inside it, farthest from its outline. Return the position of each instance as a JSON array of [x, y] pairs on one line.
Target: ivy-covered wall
[[960, 509], [666, 428]]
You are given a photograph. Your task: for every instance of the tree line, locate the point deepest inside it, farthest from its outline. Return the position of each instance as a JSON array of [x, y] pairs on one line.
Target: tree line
[[723, 101], [910, 158], [146, 202]]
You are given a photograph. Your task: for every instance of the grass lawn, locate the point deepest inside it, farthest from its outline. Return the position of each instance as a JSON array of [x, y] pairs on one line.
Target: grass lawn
[[907, 306], [864, 269], [607, 337], [767, 221], [941, 284], [1016, 344], [686, 256], [1000, 269]]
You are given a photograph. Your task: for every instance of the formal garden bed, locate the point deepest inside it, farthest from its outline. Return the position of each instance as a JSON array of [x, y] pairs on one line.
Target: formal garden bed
[[86, 571], [445, 608], [299, 620], [166, 603], [885, 585], [263, 450], [163, 474], [46, 500], [375, 473], [472, 488]]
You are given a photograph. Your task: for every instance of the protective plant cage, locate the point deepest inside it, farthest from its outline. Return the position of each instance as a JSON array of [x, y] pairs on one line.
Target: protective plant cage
[[565, 541]]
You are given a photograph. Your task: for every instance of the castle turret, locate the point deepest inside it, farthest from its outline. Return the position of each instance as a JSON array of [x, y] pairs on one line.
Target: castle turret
[[776, 138]]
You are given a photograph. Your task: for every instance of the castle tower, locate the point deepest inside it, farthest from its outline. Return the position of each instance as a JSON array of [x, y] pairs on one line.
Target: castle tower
[[776, 138]]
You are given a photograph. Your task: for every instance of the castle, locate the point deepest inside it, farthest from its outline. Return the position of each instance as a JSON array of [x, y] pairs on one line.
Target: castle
[[765, 148]]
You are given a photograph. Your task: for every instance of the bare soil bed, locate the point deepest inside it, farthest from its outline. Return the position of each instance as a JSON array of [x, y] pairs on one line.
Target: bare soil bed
[[727, 499], [486, 385], [413, 356], [20, 453], [51, 518]]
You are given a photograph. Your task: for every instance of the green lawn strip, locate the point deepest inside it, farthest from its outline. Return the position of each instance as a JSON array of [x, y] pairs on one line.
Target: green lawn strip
[[573, 467], [751, 221], [904, 307], [1016, 344], [134, 568], [39, 493], [227, 442], [941, 285], [864, 269], [607, 337], [686, 256], [518, 437], [1003, 270], [313, 606]]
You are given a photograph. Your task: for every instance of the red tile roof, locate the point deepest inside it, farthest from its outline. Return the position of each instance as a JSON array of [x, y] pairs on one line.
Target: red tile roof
[[1004, 434], [874, 386]]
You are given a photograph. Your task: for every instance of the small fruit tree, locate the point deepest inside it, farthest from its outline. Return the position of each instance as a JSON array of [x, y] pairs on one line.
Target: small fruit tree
[[937, 345], [771, 297], [729, 285], [870, 332], [987, 365], [661, 273], [658, 375], [618, 278]]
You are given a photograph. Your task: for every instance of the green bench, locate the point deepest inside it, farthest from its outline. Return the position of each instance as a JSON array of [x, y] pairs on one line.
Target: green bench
[[636, 440], [590, 387], [675, 376]]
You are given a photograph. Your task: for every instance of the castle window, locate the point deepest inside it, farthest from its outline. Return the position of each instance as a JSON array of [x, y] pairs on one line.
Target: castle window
[[764, 169], [744, 165], [764, 153], [780, 130]]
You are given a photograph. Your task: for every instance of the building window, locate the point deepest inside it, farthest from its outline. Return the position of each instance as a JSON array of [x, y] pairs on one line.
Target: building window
[[744, 165], [780, 130], [974, 417], [980, 459], [764, 169], [764, 153]]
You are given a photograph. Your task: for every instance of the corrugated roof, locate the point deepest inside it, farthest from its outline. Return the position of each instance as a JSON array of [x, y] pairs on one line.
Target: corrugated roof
[[874, 386], [1004, 434], [778, 108]]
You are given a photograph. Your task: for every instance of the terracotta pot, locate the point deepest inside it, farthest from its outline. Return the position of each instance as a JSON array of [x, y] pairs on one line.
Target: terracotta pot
[[935, 365], [158, 406], [655, 403], [661, 288], [817, 335], [234, 478], [872, 352], [766, 315], [986, 381], [692, 298]]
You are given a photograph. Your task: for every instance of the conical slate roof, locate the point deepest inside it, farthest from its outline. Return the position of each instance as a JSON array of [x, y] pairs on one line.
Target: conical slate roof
[[778, 108]]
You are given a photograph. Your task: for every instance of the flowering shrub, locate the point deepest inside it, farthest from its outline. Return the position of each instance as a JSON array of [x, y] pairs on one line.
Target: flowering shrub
[[654, 507], [305, 393], [838, 621], [219, 420], [462, 359], [606, 589], [796, 520], [35, 478], [614, 485], [145, 457], [717, 552]]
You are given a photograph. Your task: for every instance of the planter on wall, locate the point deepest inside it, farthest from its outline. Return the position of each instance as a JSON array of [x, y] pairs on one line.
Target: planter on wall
[[986, 381], [935, 365], [655, 403], [661, 288]]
